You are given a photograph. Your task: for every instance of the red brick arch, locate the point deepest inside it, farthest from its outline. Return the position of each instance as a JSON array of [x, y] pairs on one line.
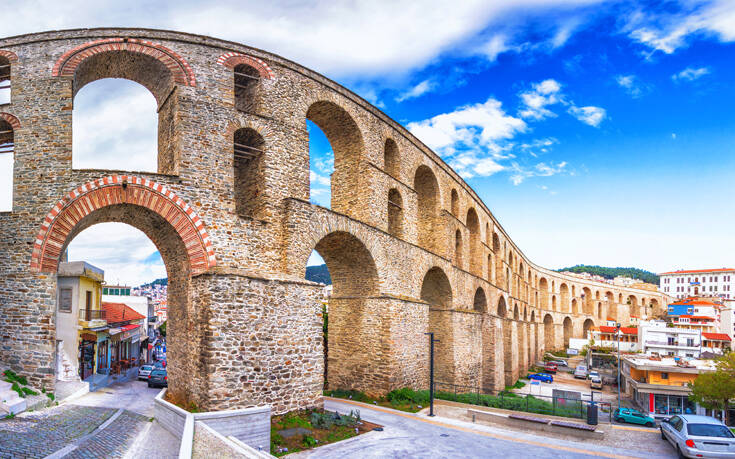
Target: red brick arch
[[121, 189], [182, 73], [12, 120], [11, 56], [232, 59]]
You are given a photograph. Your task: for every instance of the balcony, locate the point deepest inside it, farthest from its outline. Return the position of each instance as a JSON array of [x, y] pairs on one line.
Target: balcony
[[89, 315]]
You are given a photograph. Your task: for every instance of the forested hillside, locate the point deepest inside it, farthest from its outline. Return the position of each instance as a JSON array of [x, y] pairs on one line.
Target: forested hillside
[[610, 273], [318, 274]]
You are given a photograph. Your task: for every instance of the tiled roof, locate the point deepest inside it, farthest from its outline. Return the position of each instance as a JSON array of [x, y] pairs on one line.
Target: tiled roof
[[119, 312], [696, 317], [625, 330], [693, 302], [716, 336], [693, 271]]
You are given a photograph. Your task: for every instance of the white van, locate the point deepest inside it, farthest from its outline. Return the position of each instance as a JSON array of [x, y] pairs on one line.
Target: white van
[[580, 372]]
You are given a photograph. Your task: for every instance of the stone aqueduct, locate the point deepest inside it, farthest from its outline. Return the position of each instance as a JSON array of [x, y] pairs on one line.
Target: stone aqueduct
[[410, 246]]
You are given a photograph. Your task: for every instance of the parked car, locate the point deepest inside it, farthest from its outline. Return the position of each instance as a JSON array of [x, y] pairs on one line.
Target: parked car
[[160, 364], [543, 377], [593, 374], [698, 436], [144, 371], [596, 383], [580, 372], [550, 367], [158, 378], [559, 362], [633, 417]]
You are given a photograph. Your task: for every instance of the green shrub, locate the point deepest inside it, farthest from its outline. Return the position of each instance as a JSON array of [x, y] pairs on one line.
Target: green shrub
[[350, 394], [11, 376], [308, 441], [50, 395], [29, 391], [321, 421], [407, 395], [17, 388]]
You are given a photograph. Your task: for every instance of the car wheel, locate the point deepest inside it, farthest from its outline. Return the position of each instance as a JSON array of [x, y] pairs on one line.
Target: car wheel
[[649, 424], [662, 434], [679, 454], [149, 384]]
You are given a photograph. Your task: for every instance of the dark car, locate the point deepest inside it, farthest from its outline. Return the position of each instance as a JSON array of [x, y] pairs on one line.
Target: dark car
[[158, 378]]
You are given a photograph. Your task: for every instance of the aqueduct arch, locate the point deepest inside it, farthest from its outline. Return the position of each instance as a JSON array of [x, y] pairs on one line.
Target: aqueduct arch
[[233, 189]]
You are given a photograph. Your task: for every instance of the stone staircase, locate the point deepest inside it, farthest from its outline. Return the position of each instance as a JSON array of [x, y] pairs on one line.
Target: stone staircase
[[66, 371], [10, 401]]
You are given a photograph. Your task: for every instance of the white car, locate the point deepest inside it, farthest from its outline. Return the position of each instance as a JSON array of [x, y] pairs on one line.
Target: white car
[[145, 371], [594, 374], [580, 372], [698, 436]]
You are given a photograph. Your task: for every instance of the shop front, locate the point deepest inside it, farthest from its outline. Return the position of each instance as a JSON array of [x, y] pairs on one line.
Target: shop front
[[124, 348], [87, 344]]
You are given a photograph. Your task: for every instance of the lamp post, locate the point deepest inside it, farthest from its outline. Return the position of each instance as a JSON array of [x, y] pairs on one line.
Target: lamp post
[[431, 371], [617, 333]]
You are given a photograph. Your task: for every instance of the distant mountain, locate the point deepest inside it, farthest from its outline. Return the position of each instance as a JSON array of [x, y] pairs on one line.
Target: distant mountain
[[162, 281], [318, 274], [610, 273]]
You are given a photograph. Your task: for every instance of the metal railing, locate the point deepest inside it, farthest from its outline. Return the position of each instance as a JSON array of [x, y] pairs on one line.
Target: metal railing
[[91, 314], [529, 403]]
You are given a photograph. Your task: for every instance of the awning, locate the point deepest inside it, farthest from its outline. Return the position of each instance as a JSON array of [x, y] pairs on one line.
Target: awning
[[89, 337], [129, 327]]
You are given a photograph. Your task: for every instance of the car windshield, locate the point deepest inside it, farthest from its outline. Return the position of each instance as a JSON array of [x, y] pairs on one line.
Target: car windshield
[[146, 367], [709, 430], [158, 373], [596, 380]]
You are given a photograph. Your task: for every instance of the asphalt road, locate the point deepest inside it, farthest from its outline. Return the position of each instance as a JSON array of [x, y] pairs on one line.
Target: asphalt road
[[407, 435]]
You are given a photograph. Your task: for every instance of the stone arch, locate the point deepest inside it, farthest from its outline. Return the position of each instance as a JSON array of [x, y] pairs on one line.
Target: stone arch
[[543, 288], [480, 301], [499, 275], [553, 302], [632, 302], [599, 310], [588, 301], [525, 314], [654, 305], [610, 297], [437, 291], [246, 87], [575, 307], [508, 349], [516, 313], [620, 297], [454, 204], [597, 294], [391, 160], [588, 325], [502, 308], [355, 283], [564, 297], [489, 267], [346, 141], [427, 195], [549, 333], [11, 120], [395, 213], [473, 226], [567, 325], [233, 59], [488, 235], [248, 150], [121, 190], [533, 316], [5, 77], [458, 248], [574, 290]]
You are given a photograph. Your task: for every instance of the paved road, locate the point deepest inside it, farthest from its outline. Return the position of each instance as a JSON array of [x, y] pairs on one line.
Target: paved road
[[112, 422], [408, 435]]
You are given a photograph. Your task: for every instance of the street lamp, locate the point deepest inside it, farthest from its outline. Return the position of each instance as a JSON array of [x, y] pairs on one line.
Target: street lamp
[[617, 333], [431, 371]]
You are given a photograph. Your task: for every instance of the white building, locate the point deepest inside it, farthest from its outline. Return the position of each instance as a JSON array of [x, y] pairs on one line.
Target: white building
[[699, 282], [656, 336]]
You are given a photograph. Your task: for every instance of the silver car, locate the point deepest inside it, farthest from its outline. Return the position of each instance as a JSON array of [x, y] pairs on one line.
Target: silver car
[[698, 436], [145, 371]]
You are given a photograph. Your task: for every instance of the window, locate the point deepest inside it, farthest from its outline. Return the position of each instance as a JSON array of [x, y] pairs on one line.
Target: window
[[247, 80], [88, 302], [670, 341], [395, 213], [248, 175], [7, 148], [4, 80], [65, 300]]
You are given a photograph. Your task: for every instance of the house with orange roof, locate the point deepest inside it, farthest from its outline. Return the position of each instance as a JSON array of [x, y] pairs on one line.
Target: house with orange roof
[[125, 327]]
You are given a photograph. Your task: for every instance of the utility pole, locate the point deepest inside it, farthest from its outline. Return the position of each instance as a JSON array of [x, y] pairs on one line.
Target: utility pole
[[617, 327], [431, 371]]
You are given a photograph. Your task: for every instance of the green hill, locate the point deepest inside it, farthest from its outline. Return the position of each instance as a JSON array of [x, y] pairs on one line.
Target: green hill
[[610, 273], [162, 281], [318, 274]]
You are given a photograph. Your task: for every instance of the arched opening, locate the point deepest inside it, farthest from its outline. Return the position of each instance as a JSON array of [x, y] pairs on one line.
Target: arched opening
[[427, 194], [455, 203], [248, 150], [488, 235], [553, 303], [5, 73], [489, 267], [654, 306], [516, 313], [246, 80], [391, 160], [543, 287], [458, 249], [567, 331], [7, 156], [508, 349], [502, 309], [620, 298], [348, 309], [135, 139], [346, 142], [321, 166], [564, 297], [586, 327], [599, 310], [436, 290], [549, 335], [575, 307], [115, 127], [473, 226], [395, 213], [480, 301], [499, 277], [597, 295], [588, 301], [525, 314], [610, 297], [632, 305]]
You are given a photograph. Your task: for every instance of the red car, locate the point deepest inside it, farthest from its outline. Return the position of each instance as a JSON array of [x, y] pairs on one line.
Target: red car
[[550, 367]]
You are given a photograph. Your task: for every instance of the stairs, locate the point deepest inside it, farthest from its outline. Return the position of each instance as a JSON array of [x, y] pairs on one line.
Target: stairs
[[10, 401], [66, 371]]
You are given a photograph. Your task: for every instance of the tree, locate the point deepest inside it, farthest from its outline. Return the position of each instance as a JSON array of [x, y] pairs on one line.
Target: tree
[[715, 389], [162, 328]]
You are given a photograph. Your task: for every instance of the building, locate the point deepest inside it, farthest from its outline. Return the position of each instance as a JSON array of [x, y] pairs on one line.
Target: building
[[699, 282], [659, 386], [143, 305], [658, 337], [605, 336], [80, 323], [125, 327]]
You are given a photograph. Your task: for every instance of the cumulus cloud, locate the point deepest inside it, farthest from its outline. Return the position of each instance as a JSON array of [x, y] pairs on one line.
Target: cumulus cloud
[[317, 179], [540, 96], [590, 115], [691, 74], [632, 85], [520, 173], [417, 91]]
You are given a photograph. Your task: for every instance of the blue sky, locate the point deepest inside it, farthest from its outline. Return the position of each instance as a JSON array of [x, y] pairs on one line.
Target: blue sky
[[596, 132]]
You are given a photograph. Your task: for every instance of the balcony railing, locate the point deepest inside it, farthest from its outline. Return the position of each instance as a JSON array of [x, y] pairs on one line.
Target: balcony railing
[[91, 314]]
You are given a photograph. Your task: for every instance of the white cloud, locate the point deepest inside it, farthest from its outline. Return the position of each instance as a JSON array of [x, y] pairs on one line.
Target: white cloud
[[521, 173], [632, 85], [123, 252], [673, 135], [589, 115], [317, 179], [115, 126], [417, 91], [667, 31], [691, 74], [535, 101]]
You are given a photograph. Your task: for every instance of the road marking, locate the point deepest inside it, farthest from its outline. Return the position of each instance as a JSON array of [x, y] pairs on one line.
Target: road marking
[[637, 429], [480, 432]]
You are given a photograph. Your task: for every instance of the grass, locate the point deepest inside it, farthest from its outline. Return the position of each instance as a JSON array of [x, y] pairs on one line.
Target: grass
[[400, 399]]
